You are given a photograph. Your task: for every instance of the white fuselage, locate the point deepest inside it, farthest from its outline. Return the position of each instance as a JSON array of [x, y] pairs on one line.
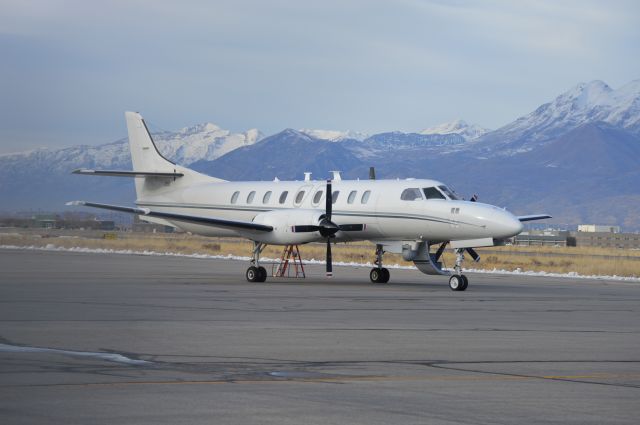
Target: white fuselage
[[385, 214]]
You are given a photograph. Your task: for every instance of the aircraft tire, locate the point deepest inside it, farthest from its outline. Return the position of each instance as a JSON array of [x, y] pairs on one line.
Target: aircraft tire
[[253, 274], [455, 282], [385, 275], [465, 283], [262, 272], [376, 275]]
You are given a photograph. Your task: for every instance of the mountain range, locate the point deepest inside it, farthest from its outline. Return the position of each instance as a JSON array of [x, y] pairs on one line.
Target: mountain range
[[576, 157]]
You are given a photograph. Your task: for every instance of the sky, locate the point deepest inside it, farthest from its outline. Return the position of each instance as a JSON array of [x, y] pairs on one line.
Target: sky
[[69, 69]]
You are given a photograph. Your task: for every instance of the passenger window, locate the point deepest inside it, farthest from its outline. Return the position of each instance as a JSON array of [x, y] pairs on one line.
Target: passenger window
[[365, 197], [234, 197], [250, 197], [266, 197], [411, 194], [352, 196], [299, 196], [432, 193], [317, 196], [334, 196], [283, 196]]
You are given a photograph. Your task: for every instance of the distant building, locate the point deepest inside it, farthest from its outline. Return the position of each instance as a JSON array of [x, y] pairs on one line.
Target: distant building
[[106, 224], [598, 228], [541, 238], [607, 239], [45, 221]]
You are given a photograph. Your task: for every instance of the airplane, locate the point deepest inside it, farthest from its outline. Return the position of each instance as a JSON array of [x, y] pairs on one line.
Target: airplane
[[406, 217]]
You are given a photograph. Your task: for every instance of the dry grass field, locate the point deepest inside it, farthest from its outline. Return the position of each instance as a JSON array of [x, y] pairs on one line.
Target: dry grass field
[[585, 261]]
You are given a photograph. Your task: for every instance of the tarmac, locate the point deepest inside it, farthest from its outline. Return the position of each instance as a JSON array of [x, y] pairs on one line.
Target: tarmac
[[107, 338]]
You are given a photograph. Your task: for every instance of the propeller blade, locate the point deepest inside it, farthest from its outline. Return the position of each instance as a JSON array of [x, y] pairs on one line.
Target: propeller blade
[[304, 229], [329, 260], [352, 227], [440, 250], [472, 252], [329, 201]]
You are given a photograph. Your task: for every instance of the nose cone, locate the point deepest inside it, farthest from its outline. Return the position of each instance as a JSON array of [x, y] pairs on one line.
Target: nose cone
[[506, 226], [512, 226], [496, 222], [499, 223]]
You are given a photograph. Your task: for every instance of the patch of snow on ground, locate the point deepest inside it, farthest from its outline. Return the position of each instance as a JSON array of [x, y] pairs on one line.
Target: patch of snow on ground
[[111, 357], [518, 271]]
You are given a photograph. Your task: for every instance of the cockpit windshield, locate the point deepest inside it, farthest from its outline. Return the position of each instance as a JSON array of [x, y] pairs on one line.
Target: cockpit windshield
[[448, 192], [432, 193]]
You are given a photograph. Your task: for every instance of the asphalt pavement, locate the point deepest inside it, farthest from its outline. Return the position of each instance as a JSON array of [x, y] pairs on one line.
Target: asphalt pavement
[[107, 338]]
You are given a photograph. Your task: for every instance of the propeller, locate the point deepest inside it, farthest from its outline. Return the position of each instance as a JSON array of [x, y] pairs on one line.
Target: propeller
[[328, 228], [472, 252]]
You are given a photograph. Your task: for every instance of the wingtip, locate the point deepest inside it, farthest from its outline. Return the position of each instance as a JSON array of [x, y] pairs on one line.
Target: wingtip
[[81, 171], [74, 203]]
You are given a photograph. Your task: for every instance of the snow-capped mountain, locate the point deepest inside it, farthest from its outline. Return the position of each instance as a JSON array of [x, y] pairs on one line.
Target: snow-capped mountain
[[335, 135], [201, 142], [469, 132], [589, 134], [583, 104]]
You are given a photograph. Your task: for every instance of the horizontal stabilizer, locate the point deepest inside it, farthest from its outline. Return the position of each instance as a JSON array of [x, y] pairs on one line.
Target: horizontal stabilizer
[[533, 217], [206, 221], [123, 173]]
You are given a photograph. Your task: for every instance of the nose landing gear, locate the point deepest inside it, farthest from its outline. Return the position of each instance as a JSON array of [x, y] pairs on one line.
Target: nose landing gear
[[379, 274]]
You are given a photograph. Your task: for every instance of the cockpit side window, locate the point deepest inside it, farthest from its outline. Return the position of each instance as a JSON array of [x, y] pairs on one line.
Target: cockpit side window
[[411, 194], [448, 192], [432, 193]]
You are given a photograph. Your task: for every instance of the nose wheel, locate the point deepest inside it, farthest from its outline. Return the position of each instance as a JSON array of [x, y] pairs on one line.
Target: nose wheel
[[379, 274], [458, 282]]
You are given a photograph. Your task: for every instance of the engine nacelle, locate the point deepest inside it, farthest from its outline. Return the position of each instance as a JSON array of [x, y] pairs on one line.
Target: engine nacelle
[[283, 221]]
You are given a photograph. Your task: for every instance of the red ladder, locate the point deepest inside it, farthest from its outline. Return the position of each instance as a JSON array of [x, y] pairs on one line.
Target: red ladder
[[291, 254]]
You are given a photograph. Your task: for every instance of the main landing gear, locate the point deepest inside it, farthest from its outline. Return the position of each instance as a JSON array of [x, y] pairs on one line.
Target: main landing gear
[[458, 281], [256, 273], [379, 274]]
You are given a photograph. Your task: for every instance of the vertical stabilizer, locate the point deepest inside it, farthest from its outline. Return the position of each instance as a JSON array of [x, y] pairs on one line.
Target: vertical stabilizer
[[146, 157], [144, 153]]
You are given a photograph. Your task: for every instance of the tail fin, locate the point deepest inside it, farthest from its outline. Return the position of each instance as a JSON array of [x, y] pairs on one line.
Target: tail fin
[[144, 153], [147, 159]]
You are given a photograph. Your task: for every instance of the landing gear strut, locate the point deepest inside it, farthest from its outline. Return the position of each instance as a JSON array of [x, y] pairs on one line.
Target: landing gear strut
[[379, 274], [256, 273], [458, 281]]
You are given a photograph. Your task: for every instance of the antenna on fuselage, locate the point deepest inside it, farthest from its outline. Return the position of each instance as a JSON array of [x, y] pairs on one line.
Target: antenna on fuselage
[[372, 173], [336, 175]]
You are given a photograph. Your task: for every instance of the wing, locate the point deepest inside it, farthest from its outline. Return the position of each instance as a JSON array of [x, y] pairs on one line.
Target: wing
[[533, 217], [207, 221], [122, 173]]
